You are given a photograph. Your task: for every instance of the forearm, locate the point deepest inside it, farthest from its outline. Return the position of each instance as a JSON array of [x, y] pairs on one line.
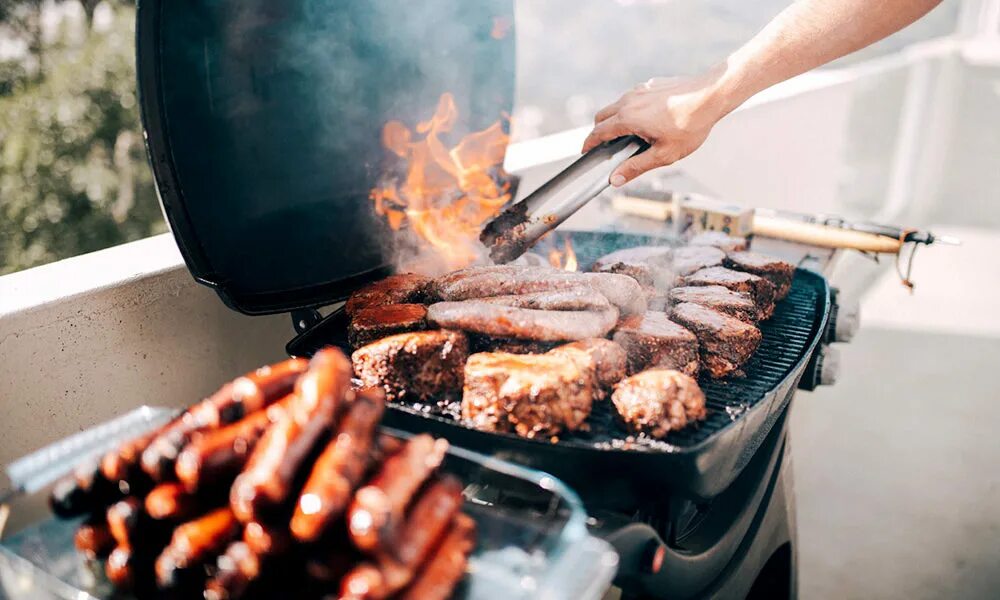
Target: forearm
[[807, 34]]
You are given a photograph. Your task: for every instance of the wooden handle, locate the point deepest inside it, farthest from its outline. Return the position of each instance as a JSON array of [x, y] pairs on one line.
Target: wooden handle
[[823, 235]]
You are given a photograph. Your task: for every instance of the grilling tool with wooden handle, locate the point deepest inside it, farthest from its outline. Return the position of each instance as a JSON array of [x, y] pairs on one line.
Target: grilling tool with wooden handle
[[511, 233]]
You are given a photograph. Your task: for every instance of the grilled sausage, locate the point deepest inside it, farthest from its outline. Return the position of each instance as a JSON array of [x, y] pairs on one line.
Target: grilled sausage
[[124, 519], [378, 508], [170, 501], [94, 538], [267, 540], [267, 481], [243, 396], [428, 520], [122, 464], [120, 568], [439, 577], [193, 544], [86, 490], [339, 469], [237, 570], [218, 456], [364, 582]]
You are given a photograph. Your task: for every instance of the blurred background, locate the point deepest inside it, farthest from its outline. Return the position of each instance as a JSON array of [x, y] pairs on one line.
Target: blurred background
[[896, 466]]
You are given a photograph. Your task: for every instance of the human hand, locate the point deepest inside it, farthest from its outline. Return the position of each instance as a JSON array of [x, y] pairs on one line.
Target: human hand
[[674, 115]]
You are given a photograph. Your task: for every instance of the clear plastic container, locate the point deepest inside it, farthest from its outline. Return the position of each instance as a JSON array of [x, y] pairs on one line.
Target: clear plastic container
[[532, 542]]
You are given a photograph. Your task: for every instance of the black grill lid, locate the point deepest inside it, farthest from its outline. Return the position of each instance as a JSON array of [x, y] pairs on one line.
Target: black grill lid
[[263, 121]]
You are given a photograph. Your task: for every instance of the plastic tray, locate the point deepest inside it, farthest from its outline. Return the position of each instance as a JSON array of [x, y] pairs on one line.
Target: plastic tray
[[532, 542]]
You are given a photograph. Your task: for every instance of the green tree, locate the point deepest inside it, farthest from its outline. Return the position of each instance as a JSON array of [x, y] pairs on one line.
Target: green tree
[[73, 170]]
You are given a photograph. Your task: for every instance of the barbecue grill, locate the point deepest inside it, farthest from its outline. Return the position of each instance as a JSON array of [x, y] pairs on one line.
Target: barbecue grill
[[264, 137]]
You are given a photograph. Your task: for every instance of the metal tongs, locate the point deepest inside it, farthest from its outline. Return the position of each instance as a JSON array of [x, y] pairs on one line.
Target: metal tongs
[[518, 228]]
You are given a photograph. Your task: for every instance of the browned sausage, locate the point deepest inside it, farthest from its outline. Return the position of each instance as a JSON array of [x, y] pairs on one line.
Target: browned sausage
[[120, 568], [193, 544], [171, 501], [237, 569], [94, 539], [267, 481], [428, 520], [339, 468], [364, 582], [378, 508], [86, 490], [124, 519], [243, 396], [438, 578], [267, 540], [218, 456], [122, 464]]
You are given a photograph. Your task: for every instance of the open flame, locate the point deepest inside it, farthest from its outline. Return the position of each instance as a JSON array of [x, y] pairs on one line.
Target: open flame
[[447, 193], [564, 259]]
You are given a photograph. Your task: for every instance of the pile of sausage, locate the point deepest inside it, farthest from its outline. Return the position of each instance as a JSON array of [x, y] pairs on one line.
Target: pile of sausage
[[278, 485]]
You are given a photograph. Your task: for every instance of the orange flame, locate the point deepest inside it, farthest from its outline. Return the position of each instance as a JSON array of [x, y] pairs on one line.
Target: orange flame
[[564, 259], [447, 194]]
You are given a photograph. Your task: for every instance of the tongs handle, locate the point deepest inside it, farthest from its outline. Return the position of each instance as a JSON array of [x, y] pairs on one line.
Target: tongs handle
[[557, 199]]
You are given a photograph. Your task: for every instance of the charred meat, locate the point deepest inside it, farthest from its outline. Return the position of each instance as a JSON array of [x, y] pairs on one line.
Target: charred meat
[[377, 322], [404, 288], [653, 340], [496, 320], [724, 342], [487, 343], [716, 297], [761, 291], [422, 366], [607, 359], [775, 270], [531, 395], [658, 401]]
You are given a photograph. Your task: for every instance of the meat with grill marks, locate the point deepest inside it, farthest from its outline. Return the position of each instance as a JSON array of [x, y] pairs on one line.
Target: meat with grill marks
[[689, 259], [607, 359], [648, 265], [653, 340], [761, 291], [725, 343], [422, 366], [533, 395], [716, 297], [775, 270], [496, 320], [377, 322], [720, 240], [403, 288], [658, 401], [582, 297], [482, 282], [488, 343]]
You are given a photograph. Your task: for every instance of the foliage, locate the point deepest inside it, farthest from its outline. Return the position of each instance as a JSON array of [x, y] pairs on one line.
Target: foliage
[[73, 170]]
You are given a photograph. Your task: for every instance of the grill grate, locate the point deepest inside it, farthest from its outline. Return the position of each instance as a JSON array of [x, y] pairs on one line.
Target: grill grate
[[787, 336]]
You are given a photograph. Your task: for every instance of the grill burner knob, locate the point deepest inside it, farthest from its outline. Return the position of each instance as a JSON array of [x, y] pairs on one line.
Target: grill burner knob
[[845, 319], [827, 365]]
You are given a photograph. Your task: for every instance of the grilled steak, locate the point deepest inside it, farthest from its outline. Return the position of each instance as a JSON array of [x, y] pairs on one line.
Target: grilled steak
[[574, 298], [482, 282], [653, 340], [689, 259], [422, 366], [775, 270], [404, 288], [659, 401], [607, 359], [724, 342], [522, 323], [377, 322], [488, 343], [648, 265], [531, 395], [716, 297], [720, 240], [761, 290]]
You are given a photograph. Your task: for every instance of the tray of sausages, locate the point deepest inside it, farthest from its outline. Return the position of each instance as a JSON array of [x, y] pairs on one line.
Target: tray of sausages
[[283, 484]]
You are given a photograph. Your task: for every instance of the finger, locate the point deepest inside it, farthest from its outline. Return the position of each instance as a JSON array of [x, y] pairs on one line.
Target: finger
[[609, 129], [608, 111], [637, 165]]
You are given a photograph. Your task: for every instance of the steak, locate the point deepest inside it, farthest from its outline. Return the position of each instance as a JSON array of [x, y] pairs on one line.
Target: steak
[[522, 323], [377, 322], [716, 297], [404, 288], [761, 291], [689, 259], [532, 395], [658, 401], [649, 265], [653, 340], [421, 366], [725, 343], [573, 298], [720, 240], [607, 359], [775, 270]]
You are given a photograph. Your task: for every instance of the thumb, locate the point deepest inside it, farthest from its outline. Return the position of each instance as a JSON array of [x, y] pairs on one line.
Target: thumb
[[635, 166]]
